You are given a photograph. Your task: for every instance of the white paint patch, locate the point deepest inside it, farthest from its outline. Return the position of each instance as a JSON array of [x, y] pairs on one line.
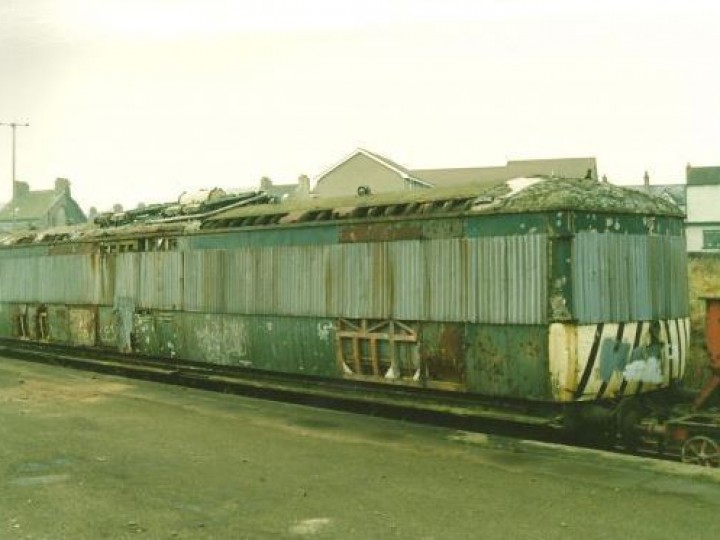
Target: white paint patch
[[647, 371], [516, 185], [324, 329], [310, 526]]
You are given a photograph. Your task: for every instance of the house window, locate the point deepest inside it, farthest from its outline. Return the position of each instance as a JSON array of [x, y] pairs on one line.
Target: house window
[[711, 239]]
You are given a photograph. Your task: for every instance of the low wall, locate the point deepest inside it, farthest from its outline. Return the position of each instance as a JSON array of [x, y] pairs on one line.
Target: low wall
[[704, 273]]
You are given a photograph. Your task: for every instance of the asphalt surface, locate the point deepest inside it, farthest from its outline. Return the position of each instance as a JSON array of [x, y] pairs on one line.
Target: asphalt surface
[[86, 456]]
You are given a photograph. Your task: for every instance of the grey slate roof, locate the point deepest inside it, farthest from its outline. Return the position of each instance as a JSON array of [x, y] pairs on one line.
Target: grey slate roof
[[675, 193], [32, 205], [559, 168], [703, 176]]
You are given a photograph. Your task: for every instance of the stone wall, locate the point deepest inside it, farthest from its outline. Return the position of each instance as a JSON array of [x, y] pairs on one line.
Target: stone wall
[[704, 272]]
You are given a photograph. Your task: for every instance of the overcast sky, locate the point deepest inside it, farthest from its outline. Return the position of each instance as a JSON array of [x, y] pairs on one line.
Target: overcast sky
[[139, 100]]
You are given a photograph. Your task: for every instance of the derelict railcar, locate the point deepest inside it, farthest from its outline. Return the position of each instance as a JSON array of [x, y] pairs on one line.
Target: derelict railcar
[[542, 289]]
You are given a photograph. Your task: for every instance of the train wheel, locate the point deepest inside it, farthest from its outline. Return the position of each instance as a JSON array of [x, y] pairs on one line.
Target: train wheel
[[701, 450]]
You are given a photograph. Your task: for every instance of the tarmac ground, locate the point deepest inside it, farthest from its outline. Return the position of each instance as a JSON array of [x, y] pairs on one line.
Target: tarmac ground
[[87, 456]]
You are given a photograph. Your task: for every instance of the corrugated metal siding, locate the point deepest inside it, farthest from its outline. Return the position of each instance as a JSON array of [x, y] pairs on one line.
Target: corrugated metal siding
[[408, 280], [63, 278], [629, 277], [358, 281], [508, 279], [161, 280], [71, 279], [19, 280], [301, 280], [127, 276], [527, 279], [204, 277], [486, 279], [446, 275]]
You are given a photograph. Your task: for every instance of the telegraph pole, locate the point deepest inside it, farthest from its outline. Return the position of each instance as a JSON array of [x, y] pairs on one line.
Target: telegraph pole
[[13, 125]]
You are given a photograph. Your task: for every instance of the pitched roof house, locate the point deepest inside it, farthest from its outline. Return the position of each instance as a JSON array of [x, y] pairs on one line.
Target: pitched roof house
[[365, 171], [41, 209], [368, 172], [702, 227], [559, 168]]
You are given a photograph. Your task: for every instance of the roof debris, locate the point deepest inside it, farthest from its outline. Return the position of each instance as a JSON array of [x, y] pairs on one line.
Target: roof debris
[[520, 195]]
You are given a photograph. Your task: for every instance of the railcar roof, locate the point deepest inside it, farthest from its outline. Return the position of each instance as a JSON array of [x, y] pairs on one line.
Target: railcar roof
[[520, 195]]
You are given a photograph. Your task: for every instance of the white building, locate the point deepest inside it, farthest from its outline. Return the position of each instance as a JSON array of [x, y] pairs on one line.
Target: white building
[[703, 210]]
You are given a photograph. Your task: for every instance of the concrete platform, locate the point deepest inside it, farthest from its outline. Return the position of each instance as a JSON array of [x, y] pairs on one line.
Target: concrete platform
[[84, 456]]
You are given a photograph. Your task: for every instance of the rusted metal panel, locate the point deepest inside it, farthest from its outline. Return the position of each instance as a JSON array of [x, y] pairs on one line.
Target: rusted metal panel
[[443, 228], [508, 360], [442, 354], [380, 232], [391, 231], [629, 277]]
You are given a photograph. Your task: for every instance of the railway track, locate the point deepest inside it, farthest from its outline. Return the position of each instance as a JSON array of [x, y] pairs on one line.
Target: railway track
[[446, 409]]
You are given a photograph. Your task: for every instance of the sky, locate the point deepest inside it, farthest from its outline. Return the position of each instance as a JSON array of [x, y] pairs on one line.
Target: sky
[[141, 100]]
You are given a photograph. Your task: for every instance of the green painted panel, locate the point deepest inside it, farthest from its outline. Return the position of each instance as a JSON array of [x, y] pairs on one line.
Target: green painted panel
[[507, 224], [393, 230], [276, 236], [6, 320], [107, 327], [58, 324], [169, 334], [284, 344], [16, 252], [144, 336], [510, 361], [292, 344], [560, 299], [628, 224]]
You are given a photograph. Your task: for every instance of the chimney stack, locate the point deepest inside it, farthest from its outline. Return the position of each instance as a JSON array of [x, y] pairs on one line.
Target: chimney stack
[[304, 184], [646, 179], [62, 185], [265, 183]]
